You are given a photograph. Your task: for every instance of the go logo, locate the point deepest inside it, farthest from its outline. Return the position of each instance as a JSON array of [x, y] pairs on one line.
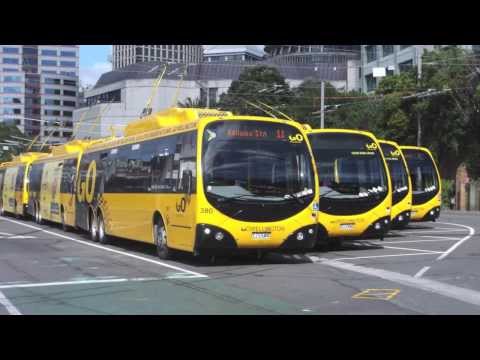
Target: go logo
[[395, 153], [296, 139], [372, 146], [86, 189]]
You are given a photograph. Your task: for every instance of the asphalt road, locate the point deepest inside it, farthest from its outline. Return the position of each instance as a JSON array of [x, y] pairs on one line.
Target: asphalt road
[[428, 268]]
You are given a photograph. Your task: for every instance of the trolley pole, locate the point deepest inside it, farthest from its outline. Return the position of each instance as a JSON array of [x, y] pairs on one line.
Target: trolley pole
[[419, 79], [322, 105]]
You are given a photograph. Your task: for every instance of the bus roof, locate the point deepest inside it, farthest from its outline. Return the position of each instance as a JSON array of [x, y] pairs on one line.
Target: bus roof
[[24, 158], [393, 143], [171, 117], [347, 131], [171, 121], [420, 148]]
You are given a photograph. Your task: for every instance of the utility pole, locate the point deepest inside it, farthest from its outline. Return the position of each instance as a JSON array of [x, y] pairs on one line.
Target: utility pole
[[208, 97], [322, 105], [419, 80]]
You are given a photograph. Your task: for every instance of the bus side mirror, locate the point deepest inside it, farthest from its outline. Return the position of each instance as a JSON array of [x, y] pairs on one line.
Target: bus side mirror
[[187, 181]]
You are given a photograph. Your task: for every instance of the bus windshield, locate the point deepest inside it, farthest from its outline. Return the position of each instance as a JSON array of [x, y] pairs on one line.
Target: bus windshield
[[423, 175], [250, 167], [351, 172], [398, 172]]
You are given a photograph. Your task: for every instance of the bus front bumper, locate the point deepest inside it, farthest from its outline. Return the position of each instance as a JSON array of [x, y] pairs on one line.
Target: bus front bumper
[[401, 220], [214, 240], [432, 215], [378, 228]]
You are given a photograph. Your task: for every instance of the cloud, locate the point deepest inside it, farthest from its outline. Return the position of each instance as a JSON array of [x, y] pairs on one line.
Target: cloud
[[90, 74]]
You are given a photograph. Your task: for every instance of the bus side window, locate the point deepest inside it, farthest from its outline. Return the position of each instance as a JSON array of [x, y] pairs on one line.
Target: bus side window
[[162, 165], [187, 155]]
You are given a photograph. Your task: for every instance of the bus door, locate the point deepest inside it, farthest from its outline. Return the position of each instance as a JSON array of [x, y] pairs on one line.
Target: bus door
[[19, 182], [181, 209], [9, 189], [67, 190], [50, 191]]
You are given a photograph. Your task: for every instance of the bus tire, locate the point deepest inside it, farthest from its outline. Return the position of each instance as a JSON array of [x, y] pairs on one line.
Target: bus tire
[[93, 227], [65, 227], [39, 217], [103, 238], [160, 238]]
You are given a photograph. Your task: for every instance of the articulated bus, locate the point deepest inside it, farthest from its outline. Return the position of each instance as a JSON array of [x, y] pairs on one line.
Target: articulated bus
[[401, 184], [2, 175], [355, 188], [202, 181], [15, 183], [426, 184], [52, 179]]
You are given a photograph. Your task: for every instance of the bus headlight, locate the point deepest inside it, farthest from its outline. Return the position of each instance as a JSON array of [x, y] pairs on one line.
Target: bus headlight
[[219, 236], [207, 231], [400, 218], [300, 236], [377, 226], [311, 231]]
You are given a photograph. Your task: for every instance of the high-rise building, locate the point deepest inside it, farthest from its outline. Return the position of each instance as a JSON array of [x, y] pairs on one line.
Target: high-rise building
[[39, 89], [124, 55]]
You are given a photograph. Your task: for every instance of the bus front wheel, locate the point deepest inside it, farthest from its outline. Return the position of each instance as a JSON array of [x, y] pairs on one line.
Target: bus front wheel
[[160, 237], [93, 227], [103, 238]]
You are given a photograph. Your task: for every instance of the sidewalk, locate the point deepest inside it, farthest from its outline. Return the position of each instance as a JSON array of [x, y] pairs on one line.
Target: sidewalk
[[459, 212]]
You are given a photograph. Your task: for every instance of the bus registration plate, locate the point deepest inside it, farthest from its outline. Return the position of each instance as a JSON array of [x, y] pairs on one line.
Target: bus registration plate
[[347, 226], [261, 235]]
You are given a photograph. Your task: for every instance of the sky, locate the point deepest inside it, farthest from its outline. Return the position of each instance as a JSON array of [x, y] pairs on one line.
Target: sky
[[94, 62]]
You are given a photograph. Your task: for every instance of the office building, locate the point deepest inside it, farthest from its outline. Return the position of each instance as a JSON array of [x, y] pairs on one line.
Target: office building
[[124, 55], [394, 59], [232, 53], [39, 89]]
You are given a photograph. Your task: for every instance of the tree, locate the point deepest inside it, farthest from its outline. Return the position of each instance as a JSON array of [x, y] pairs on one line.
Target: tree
[[6, 131], [189, 103], [256, 84]]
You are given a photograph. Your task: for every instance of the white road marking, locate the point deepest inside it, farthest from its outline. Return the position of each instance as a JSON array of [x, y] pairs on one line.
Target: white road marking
[[458, 293], [416, 241], [198, 275], [421, 272], [6, 234], [12, 310], [470, 234], [383, 256], [440, 237], [411, 249], [428, 231], [75, 282]]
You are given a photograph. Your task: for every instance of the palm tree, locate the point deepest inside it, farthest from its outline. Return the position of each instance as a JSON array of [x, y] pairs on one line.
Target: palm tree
[[189, 103]]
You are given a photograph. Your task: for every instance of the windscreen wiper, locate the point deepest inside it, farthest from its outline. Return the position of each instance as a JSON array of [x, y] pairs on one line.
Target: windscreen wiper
[[224, 199]]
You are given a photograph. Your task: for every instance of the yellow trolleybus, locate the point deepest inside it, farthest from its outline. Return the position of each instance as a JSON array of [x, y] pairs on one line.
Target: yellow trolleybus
[[15, 183], [2, 175], [401, 184], [355, 191], [426, 185], [52, 179], [202, 181]]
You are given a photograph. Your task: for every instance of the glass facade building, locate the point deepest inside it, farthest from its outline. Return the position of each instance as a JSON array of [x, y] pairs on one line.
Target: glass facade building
[[39, 89]]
